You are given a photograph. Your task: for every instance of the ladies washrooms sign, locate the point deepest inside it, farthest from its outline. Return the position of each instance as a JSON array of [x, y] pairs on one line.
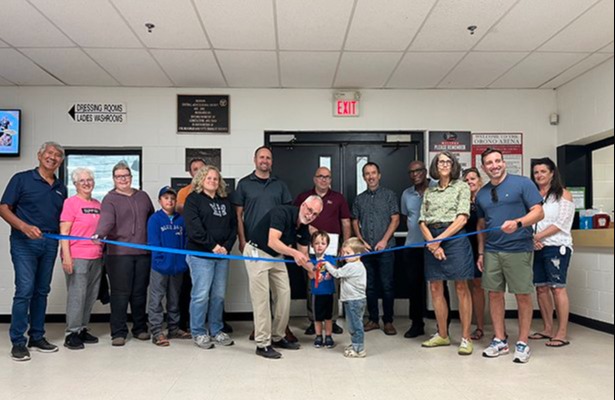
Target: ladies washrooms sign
[[98, 113]]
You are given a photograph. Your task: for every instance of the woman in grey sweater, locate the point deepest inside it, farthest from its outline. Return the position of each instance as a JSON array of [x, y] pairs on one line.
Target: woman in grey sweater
[[124, 215]]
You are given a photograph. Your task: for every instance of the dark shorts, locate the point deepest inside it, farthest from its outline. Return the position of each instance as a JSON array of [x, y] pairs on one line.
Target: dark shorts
[[323, 307], [459, 259], [551, 266]]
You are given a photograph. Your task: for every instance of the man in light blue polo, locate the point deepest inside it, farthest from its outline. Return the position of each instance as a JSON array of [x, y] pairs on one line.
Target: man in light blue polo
[[31, 204], [512, 203]]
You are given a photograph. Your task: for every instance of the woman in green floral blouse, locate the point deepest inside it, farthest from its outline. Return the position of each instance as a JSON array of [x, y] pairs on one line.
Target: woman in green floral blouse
[[444, 213]]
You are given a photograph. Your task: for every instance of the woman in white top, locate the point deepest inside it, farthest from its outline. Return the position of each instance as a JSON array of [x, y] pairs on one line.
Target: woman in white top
[[553, 248]]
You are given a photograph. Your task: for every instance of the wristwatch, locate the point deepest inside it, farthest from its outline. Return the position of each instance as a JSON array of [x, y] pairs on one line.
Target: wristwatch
[[519, 224]]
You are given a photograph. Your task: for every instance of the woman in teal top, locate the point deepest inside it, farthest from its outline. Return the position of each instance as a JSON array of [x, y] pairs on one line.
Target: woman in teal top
[[444, 213]]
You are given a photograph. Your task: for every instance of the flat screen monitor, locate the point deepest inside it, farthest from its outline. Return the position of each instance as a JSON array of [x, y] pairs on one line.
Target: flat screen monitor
[[10, 132]]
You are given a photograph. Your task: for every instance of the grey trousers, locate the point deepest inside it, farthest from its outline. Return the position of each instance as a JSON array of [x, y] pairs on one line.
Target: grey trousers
[[161, 286], [82, 290]]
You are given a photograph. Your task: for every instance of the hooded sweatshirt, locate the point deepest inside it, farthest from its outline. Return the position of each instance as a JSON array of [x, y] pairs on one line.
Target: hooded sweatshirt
[[165, 230], [124, 218], [209, 222]]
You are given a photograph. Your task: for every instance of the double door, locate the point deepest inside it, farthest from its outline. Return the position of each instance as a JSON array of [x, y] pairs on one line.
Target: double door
[[297, 155]]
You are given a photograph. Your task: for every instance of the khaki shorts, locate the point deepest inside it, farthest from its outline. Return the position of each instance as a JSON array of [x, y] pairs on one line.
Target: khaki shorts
[[512, 269]]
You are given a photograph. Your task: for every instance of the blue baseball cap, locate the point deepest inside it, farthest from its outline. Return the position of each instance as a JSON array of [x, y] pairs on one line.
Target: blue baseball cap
[[165, 190]]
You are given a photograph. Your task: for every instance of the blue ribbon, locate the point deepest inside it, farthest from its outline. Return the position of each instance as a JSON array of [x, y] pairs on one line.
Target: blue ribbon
[[332, 260]]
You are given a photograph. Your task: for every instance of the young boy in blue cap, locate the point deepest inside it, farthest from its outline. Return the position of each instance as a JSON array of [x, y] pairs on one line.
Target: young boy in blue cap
[[165, 228]]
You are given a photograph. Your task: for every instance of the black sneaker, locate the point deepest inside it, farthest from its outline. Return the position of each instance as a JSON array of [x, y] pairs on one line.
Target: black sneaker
[[227, 328], [268, 352], [73, 342], [285, 344], [19, 352], [318, 343], [338, 330], [43, 346], [86, 337], [414, 331], [329, 343], [310, 330]]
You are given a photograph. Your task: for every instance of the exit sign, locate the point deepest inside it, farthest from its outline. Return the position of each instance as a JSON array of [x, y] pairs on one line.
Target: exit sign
[[346, 104]]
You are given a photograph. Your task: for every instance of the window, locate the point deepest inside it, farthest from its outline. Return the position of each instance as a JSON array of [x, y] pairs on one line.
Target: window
[[101, 162]]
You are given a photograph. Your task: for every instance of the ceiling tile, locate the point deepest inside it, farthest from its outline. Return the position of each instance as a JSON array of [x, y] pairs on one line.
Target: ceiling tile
[[478, 70], [530, 23], [24, 26], [423, 70], [365, 70], [446, 27], [249, 68], [4, 82], [3, 44], [71, 66], [577, 70], [607, 49], [130, 67], [537, 69], [311, 70], [592, 31], [100, 26], [177, 25], [255, 17], [17, 68], [401, 18], [312, 25], [186, 68]]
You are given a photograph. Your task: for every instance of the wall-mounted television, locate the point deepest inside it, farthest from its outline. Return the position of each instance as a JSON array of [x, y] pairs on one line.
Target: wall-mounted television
[[10, 132]]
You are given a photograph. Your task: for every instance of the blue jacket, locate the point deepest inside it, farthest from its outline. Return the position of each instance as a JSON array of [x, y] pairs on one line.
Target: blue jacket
[[167, 231]]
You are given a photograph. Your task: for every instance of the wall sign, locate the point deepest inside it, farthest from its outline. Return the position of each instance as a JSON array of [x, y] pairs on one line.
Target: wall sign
[[459, 143], [98, 113], [203, 113], [510, 144]]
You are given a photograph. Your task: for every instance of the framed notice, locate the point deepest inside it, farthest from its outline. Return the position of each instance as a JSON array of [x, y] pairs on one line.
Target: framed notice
[[203, 114], [458, 143], [510, 144]]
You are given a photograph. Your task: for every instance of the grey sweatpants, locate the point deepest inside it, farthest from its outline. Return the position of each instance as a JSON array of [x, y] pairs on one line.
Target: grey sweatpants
[[82, 290], [161, 286]]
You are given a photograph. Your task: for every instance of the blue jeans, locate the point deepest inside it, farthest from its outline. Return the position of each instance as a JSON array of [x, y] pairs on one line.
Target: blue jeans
[[354, 310], [33, 262], [209, 276], [380, 269]]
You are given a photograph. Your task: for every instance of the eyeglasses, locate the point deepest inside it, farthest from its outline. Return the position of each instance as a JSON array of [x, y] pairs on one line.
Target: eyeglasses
[[122, 177], [494, 194], [416, 171], [445, 162], [326, 177], [85, 181]]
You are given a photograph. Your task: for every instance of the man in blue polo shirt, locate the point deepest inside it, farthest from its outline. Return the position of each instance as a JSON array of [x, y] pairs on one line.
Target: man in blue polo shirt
[[31, 204], [512, 203]]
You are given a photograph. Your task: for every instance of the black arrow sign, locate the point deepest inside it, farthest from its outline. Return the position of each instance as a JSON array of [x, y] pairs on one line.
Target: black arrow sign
[[71, 112]]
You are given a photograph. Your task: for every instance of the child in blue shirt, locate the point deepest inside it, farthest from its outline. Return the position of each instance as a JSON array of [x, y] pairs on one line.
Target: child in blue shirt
[[323, 288], [165, 228]]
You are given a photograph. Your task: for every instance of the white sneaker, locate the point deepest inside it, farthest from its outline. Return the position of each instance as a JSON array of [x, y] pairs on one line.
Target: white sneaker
[[223, 339], [204, 341], [496, 348], [352, 353], [522, 353]]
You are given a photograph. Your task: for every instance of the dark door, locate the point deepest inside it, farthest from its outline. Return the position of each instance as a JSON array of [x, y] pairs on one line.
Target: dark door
[[296, 156], [296, 164]]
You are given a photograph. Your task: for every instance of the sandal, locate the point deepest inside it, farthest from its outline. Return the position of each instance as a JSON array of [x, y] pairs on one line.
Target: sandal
[[477, 334], [539, 336], [179, 334], [161, 341]]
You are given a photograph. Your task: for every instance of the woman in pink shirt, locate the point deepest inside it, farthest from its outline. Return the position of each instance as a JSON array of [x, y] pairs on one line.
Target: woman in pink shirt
[[81, 259]]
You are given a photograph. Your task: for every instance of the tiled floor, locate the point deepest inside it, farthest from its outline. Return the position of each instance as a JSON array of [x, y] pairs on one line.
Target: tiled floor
[[395, 368]]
